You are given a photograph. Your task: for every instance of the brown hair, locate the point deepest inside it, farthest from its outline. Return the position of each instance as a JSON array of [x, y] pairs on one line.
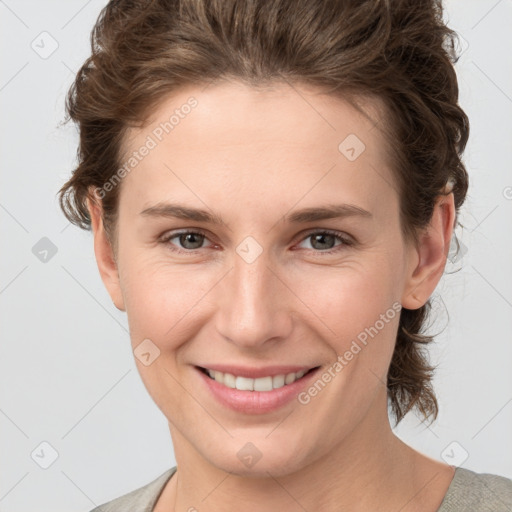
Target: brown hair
[[397, 50]]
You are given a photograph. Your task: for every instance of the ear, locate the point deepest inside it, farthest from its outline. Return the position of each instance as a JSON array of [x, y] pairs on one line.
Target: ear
[[105, 258], [428, 256]]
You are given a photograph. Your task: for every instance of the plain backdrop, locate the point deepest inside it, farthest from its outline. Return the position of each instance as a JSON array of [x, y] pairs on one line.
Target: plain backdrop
[[70, 395]]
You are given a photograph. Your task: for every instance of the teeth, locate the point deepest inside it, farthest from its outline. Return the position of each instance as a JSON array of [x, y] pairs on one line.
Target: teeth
[[278, 381], [263, 384], [290, 377], [229, 380], [260, 384], [244, 384]]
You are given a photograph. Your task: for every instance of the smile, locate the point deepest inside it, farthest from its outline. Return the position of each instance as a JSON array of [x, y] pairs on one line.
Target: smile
[[267, 383]]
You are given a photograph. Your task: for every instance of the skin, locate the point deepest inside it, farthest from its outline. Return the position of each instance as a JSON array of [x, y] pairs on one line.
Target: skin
[[253, 156]]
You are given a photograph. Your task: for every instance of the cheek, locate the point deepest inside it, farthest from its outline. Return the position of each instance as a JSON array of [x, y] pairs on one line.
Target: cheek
[[161, 299], [349, 298], [357, 310], [167, 302]]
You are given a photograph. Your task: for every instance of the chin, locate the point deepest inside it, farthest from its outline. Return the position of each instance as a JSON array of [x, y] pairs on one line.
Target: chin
[[251, 460]]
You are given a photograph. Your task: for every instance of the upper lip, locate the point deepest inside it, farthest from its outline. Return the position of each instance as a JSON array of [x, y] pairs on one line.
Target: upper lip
[[254, 372]]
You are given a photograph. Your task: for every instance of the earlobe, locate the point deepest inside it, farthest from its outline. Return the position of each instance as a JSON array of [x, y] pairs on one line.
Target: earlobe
[[104, 253], [430, 253]]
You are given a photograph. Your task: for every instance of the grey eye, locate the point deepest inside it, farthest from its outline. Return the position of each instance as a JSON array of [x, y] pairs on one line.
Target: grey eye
[[322, 241], [190, 241]]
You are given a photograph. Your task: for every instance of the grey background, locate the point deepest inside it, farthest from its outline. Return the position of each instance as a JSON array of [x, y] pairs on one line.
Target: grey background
[[67, 375]]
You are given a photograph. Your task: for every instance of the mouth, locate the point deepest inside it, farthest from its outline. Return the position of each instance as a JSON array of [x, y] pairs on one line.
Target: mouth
[[262, 384]]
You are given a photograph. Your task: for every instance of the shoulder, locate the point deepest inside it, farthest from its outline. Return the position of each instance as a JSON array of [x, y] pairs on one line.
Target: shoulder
[[478, 492], [142, 499]]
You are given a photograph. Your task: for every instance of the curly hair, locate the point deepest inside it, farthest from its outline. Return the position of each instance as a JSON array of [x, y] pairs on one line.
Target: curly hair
[[399, 51]]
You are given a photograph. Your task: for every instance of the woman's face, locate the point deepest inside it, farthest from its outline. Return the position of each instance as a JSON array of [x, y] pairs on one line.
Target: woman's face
[[266, 283]]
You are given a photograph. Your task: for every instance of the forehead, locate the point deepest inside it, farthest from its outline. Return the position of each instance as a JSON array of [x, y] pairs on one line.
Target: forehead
[[286, 141], [260, 112]]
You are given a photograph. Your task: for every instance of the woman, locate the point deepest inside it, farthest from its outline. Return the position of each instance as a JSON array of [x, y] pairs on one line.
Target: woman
[[272, 188]]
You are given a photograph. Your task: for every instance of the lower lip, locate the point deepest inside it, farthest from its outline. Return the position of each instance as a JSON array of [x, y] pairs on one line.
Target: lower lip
[[256, 402]]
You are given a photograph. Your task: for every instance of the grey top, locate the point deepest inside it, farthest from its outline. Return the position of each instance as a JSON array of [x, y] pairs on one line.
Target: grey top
[[468, 492]]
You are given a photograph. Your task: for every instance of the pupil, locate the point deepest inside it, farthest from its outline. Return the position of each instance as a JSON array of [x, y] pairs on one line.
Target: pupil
[[322, 238], [189, 238]]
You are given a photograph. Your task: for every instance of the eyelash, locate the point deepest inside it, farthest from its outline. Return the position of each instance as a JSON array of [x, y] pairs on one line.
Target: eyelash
[[342, 237]]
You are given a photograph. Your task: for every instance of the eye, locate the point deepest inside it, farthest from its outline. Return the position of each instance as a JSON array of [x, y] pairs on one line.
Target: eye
[[325, 241], [187, 241]]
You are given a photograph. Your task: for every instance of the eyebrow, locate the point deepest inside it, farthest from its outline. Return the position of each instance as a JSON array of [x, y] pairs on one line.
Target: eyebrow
[[313, 214]]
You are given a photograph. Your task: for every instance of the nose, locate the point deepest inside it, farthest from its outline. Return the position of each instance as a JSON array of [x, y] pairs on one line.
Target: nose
[[253, 304]]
